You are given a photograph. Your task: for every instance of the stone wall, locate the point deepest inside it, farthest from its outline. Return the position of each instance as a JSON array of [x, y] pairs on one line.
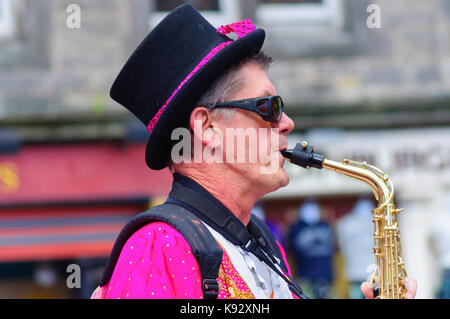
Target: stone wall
[[48, 68], [408, 58]]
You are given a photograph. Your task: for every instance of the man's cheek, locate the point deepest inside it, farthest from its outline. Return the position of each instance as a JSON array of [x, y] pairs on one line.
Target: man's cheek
[[275, 139], [273, 156]]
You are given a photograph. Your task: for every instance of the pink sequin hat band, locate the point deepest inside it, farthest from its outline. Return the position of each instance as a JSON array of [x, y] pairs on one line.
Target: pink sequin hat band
[[241, 29]]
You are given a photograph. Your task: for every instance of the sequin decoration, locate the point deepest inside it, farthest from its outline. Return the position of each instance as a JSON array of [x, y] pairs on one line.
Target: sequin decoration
[[231, 284]]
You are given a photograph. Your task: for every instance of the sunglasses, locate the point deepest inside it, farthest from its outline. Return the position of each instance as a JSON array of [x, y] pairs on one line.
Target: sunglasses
[[270, 108]]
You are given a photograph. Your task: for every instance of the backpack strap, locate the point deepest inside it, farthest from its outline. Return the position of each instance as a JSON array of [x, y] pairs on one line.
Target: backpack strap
[[203, 245]]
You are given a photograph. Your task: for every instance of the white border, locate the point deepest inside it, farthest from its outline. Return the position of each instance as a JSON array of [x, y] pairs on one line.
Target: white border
[[229, 12], [329, 14], [6, 19]]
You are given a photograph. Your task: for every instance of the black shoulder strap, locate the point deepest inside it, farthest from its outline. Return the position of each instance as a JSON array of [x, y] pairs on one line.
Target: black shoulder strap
[[259, 229], [203, 245]]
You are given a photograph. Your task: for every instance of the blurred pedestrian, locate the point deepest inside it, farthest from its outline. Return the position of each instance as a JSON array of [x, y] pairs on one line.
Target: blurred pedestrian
[[354, 234], [275, 228], [440, 235], [311, 240]]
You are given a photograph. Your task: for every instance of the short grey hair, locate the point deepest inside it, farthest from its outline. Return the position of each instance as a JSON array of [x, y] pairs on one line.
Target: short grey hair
[[225, 88]]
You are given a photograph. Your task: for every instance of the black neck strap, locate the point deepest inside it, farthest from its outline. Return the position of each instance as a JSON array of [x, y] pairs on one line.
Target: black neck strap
[[190, 195], [187, 192]]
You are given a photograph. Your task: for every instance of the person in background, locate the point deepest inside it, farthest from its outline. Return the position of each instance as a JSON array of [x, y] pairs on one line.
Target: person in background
[[440, 236], [311, 241], [354, 234], [274, 227]]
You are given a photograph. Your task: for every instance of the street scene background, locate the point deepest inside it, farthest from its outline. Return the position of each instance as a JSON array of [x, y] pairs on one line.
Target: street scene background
[[367, 80]]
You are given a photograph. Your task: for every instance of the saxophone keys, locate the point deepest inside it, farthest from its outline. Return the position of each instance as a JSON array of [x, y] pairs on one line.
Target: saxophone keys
[[378, 251]]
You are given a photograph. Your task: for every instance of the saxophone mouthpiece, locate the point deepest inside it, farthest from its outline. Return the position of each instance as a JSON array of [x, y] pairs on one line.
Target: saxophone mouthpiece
[[304, 155], [287, 154]]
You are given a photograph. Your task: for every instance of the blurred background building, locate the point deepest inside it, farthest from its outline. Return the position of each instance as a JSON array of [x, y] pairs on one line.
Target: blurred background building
[[362, 79]]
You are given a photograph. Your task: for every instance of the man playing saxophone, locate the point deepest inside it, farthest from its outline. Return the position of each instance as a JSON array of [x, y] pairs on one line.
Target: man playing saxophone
[[188, 74]]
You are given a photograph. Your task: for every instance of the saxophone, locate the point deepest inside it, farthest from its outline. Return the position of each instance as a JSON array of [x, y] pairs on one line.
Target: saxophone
[[389, 280]]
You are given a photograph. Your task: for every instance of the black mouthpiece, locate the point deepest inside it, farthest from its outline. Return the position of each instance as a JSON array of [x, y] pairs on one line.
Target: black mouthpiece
[[303, 155]]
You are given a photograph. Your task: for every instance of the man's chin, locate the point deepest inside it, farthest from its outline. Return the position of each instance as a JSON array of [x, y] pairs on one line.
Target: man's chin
[[285, 178], [279, 179]]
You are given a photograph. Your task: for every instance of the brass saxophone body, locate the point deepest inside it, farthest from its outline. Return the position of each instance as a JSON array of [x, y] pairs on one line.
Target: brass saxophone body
[[390, 278]]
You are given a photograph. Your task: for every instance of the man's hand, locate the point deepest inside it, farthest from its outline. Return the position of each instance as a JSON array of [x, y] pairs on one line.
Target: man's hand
[[367, 290]]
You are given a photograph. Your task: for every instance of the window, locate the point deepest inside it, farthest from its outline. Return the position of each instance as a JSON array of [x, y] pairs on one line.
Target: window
[[6, 20], [301, 13], [300, 28], [292, 1], [217, 12], [202, 5]]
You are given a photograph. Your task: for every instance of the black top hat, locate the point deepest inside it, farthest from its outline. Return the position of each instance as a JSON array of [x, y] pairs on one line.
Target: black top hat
[[173, 67]]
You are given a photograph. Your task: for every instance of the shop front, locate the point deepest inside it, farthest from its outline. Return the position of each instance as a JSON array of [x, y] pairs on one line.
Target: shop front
[[63, 205]]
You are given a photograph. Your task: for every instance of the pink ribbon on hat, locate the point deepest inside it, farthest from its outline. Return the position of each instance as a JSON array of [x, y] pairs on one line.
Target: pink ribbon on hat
[[241, 28]]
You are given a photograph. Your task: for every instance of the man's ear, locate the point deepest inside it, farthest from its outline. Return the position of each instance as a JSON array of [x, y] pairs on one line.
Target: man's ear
[[201, 124]]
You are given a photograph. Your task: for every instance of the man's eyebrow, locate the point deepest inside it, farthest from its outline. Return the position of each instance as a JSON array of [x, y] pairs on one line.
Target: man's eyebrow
[[266, 92]]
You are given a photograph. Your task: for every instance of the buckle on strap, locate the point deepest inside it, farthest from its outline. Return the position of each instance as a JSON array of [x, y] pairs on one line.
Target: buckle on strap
[[210, 288]]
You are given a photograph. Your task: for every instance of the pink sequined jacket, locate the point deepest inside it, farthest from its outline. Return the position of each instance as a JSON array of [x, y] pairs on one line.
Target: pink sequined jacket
[[156, 263]]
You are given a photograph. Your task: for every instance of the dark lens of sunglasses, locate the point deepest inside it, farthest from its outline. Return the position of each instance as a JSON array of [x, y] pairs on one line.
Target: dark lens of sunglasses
[[263, 106], [277, 108]]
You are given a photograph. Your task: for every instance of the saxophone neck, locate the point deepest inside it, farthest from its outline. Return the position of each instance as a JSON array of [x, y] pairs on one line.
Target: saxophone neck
[[305, 156], [379, 183]]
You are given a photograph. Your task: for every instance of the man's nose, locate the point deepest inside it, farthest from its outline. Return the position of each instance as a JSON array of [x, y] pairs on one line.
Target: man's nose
[[285, 125]]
